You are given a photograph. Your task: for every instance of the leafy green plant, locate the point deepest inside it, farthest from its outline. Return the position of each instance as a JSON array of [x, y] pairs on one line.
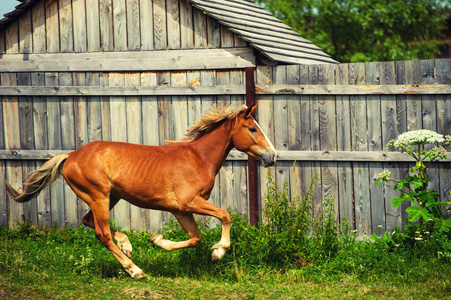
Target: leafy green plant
[[428, 211]]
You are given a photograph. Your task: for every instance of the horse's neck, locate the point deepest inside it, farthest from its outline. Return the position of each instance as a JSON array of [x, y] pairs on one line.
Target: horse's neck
[[214, 146]]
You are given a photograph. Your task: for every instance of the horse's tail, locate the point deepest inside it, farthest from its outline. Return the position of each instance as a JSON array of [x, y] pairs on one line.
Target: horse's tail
[[38, 179]]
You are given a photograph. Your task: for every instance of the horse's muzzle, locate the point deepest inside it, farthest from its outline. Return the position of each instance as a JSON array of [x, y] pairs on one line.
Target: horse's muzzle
[[268, 158]]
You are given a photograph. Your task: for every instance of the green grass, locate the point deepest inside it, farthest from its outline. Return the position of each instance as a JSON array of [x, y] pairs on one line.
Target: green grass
[[290, 256], [72, 264]]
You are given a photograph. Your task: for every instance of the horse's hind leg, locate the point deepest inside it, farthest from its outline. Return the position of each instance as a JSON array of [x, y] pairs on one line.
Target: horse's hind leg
[[122, 240], [189, 225], [99, 201], [103, 233]]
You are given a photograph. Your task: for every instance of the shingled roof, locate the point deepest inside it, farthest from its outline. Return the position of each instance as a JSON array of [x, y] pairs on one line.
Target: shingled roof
[[251, 22]]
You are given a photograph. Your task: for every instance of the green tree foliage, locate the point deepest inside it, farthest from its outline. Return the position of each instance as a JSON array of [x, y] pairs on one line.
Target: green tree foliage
[[367, 30]]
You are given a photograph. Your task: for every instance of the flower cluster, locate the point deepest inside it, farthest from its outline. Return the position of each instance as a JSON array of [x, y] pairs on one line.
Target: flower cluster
[[437, 152], [383, 176], [418, 137]]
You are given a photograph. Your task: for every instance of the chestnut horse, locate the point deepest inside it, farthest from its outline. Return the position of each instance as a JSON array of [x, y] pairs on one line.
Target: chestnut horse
[[177, 177]]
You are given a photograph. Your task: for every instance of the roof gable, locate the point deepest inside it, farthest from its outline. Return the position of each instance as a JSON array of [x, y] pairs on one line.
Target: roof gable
[[272, 39]]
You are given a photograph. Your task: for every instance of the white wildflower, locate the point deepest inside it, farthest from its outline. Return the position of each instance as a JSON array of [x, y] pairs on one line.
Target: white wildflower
[[384, 176], [417, 137], [438, 151]]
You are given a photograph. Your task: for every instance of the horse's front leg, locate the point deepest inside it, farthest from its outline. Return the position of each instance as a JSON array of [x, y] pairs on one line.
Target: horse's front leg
[[188, 224], [201, 206]]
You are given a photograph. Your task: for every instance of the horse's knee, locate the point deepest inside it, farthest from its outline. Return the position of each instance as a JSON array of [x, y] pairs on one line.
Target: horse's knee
[[194, 241], [103, 237], [226, 220]]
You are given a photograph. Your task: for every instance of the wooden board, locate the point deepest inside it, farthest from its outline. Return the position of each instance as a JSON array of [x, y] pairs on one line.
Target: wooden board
[[119, 133], [131, 61], [359, 142]]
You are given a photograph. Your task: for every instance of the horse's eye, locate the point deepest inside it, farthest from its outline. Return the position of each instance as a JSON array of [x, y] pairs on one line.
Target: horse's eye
[[253, 130]]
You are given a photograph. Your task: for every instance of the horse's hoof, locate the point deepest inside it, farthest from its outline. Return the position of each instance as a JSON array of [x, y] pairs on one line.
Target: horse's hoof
[[128, 253], [139, 275], [217, 254], [155, 238]]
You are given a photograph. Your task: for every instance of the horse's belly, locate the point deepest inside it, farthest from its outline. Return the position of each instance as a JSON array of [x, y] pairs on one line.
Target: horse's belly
[[149, 198]]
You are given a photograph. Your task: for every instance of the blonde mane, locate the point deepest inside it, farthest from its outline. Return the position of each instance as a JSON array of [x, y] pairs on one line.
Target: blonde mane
[[210, 120]]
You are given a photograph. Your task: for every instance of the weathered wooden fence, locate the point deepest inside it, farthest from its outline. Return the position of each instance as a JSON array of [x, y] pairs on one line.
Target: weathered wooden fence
[[332, 120]]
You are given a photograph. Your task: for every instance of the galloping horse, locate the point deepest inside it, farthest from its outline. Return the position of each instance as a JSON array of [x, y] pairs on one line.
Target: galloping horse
[[177, 177]]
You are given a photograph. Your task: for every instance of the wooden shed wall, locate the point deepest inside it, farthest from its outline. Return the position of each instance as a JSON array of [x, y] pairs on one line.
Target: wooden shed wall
[[65, 26], [331, 120], [325, 130], [68, 122]]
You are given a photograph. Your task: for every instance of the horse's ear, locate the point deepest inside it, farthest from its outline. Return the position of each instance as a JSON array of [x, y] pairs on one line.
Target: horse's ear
[[250, 111]]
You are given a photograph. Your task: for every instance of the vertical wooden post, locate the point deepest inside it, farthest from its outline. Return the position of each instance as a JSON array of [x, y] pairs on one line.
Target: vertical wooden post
[[251, 162]]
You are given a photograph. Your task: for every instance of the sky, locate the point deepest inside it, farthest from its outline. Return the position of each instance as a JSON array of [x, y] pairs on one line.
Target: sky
[[7, 6]]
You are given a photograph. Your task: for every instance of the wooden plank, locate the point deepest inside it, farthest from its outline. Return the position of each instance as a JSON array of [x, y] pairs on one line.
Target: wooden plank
[[165, 120], [51, 26], [119, 25], [94, 111], [359, 142], [294, 128], [134, 135], [133, 25], [150, 137], [106, 25], [38, 23], [11, 121], [173, 24], [227, 38], [131, 61], [2, 42], [291, 155], [146, 24], [389, 132], [80, 11], [82, 124], [344, 169], [105, 105], [401, 106], [54, 135], [429, 111], [186, 25], [213, 33], [282, 169], [327, 89], [26, 141], [265, 119], [314, 79], [65, 23], [328, 137], [121, 91], [4, 213], [305, 168], [68, 142], [25, 37], [443, 69], [159, 25], [41, 142], [375, 144], [12, 38], [92, 26], [119, 133], [200, 29]]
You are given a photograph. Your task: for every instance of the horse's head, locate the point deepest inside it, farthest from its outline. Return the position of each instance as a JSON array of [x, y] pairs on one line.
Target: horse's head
[[249, 138]]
